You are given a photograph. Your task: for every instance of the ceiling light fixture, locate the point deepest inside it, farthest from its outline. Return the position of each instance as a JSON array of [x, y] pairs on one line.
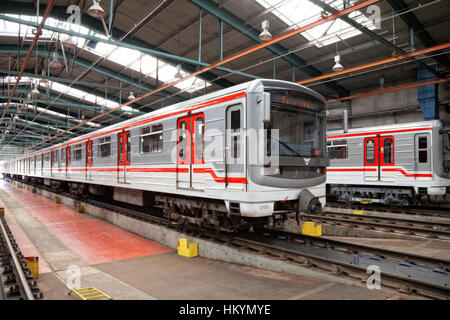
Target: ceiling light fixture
[[69, 43], [55, 63], [35, 93], [96, 10], [337, 66], [131, 96], [178, 75], [265, 35]]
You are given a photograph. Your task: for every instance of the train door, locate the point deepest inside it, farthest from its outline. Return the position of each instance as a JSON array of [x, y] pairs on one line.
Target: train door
[[422, 154], [387, 158], [88, 162], [198, 151], [191, 152], [379, 155], [67, 162], [184, 152], [58, 161], [371, 159], [234, 151], [123, 155], [52, 162]]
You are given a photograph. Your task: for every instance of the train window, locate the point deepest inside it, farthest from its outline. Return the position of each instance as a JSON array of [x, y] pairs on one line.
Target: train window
[[423, 156], [152, 139], [423, 152], [235, 126], [63, 157], [199, 136], [182, 139], [422, 142], [337, 149], [235, 120], [77, 151], [128, 158], [370, 151], [104, 147], [388, 151]]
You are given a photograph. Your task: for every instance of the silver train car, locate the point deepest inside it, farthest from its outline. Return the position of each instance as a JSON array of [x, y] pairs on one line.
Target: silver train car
[[402, 164], [195, 159]]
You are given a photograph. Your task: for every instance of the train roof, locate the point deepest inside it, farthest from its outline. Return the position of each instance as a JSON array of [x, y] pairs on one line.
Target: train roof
[[249, 87], [389, 127]]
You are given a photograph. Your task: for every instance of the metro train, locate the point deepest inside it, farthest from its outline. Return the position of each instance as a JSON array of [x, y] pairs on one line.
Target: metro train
[[400, 164], [194, 159]]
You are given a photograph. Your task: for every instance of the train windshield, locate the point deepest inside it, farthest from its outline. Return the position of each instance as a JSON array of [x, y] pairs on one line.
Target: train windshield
[[301, 123]]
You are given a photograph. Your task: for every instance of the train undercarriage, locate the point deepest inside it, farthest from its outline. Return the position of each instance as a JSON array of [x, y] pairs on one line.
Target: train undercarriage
[[387, 195], [183, 210]]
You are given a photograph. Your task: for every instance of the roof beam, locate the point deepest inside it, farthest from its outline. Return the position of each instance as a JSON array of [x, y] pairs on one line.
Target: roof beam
[[59, 12], [11, 49], [371, 34], [66, 102], [253, 34], [410, 19]]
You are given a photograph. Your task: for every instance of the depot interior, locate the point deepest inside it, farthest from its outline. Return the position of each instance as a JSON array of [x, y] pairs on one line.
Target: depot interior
[[71, 67]]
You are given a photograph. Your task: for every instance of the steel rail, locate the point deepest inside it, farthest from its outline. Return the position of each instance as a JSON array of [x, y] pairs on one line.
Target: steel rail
[[285, 246], [23, 282], [378, 208], [387, 225], [45, 15], [226, 60]]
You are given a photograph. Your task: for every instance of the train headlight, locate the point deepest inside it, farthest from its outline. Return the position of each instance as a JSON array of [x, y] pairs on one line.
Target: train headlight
[[321, 170]]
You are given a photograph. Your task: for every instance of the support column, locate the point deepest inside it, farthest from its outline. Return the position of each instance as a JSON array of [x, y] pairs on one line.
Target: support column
[[428, 95]]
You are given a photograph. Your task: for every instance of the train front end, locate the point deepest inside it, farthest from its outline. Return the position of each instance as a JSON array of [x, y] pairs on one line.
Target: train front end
[[286, 153]]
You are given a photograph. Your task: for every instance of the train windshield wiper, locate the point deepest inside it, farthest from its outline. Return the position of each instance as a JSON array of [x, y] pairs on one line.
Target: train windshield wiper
[[289, 148]]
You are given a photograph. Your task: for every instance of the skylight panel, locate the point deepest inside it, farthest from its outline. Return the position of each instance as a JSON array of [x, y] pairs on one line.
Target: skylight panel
[[302, 12], [124, 56], [147, 64], [119, 55]]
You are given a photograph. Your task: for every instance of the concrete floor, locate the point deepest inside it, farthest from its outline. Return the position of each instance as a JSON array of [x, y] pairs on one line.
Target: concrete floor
[[127, 266]]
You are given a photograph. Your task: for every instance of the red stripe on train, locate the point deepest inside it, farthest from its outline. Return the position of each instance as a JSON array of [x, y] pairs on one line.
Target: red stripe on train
[[161, 116], [419, 175], [220, 179], [181, 170], [375, 133], [352, 169]]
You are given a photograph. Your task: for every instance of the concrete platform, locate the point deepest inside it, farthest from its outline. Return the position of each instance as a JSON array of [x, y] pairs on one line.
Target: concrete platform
[[127, 266]]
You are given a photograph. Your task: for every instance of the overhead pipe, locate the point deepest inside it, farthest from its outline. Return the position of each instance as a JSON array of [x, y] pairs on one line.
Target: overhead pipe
[[391, 89], [229, 59], [377, 63], [49, 7]]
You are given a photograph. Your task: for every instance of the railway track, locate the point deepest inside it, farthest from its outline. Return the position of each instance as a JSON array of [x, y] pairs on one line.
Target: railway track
[[443, 212], [409, 227], [407, 273], [16, 278]]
